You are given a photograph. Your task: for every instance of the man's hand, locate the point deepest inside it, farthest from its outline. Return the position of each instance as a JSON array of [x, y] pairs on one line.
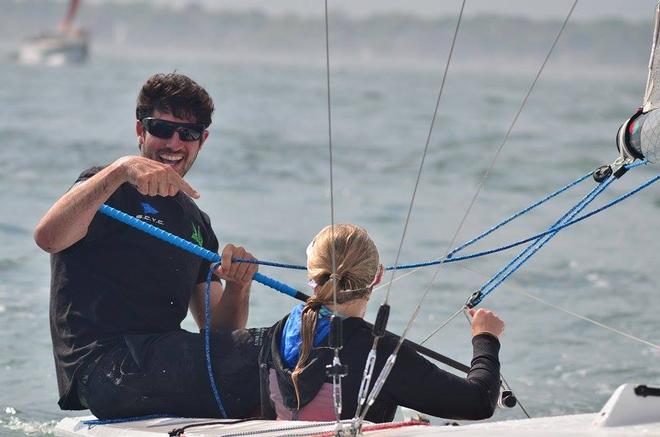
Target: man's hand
[[231, 310], [237, 274], [486, 322], [67, 221], [154, 178]]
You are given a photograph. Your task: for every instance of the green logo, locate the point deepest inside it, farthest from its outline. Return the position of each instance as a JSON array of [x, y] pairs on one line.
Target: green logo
[[197, 235]]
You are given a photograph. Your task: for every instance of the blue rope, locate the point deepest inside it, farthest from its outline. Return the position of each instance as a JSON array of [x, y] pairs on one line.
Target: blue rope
[[207, 341], [93, 422], [188, 246], [518, 214], [270, 263], [554, 228], [538, 241], [564, 221], [527, 253], [450, 258]]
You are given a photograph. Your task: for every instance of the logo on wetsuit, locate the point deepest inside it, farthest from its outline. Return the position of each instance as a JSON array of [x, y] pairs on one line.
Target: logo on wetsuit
[[149, 211], [197, 235]]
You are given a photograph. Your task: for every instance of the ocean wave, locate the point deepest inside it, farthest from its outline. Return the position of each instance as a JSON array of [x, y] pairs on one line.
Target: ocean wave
[[12, 229], [28, 427]]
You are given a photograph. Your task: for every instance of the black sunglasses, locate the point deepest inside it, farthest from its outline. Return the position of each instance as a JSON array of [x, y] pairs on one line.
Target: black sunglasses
[[165, 129]]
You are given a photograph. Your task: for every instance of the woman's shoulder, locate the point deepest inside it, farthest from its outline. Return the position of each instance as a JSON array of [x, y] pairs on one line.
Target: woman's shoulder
[[355, 327]]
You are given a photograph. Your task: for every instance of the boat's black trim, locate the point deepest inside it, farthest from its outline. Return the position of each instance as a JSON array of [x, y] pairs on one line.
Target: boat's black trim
[[644, 391], [177, 432]]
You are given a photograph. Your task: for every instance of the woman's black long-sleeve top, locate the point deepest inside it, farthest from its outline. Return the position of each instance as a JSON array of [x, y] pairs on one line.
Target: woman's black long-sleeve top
[[414, 381]]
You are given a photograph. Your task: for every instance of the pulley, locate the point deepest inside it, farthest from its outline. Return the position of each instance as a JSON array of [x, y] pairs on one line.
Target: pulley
[[637, 138]]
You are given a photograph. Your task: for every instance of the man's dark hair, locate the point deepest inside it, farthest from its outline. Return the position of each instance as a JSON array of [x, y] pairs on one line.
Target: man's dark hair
[[175, 94]]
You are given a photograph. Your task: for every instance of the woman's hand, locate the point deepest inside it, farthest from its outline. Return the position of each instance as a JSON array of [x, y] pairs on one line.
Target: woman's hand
[[486, 322]]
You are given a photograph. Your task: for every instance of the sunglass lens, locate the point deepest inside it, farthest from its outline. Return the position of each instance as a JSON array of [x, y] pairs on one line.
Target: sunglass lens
[[161, 129], [165, 129], [189, 134]]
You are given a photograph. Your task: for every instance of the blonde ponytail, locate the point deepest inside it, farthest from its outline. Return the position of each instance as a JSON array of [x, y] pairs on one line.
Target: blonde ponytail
[[357, 266]]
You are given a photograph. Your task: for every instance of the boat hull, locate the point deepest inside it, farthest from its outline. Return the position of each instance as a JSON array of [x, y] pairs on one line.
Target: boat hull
[[53, 50]]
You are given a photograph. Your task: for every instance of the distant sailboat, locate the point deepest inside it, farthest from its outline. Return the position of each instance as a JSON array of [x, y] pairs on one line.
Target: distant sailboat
[[67, 45]]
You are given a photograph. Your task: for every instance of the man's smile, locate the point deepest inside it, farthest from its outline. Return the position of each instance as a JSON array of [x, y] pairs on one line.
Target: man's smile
[[171, 158]]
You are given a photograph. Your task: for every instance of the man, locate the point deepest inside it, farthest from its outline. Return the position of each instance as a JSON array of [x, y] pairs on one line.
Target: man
[[118, 296]]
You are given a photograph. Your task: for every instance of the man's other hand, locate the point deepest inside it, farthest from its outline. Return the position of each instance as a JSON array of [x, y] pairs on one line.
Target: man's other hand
[[238, 273]]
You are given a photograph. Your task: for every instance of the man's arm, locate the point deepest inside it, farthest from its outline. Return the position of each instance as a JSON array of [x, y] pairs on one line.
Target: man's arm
[[229, 306], [67, 221]]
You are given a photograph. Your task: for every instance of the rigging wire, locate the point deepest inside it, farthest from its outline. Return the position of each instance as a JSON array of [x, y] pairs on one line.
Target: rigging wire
[[450, 258], [390, 362], [365, 404], [514, 121], [332, 199], [513, 287], [492, 164], [426, 147], [513, 265], [335, 370]]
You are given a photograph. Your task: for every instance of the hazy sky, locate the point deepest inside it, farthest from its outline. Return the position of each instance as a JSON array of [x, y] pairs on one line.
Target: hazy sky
[[627, 9]]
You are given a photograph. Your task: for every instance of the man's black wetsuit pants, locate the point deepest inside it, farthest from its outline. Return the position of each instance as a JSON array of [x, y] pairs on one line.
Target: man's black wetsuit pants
[[167, 373]]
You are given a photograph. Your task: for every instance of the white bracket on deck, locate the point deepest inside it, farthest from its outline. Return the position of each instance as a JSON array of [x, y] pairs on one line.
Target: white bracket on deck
[[626, 407]]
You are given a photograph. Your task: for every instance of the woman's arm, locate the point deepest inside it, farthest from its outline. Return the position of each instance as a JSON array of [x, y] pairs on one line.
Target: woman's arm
[[419, 384]]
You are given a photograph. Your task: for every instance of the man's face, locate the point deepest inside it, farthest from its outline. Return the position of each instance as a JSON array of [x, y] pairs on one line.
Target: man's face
[[174, 152]]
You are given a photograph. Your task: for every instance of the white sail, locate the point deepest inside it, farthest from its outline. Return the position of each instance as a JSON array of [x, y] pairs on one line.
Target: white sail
[[652, 94]]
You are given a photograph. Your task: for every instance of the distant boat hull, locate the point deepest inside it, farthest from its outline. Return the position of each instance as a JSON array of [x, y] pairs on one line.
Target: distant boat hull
[[54, 50]]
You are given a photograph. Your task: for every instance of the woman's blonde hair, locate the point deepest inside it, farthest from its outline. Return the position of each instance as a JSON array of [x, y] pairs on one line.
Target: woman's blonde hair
[[357, 266]]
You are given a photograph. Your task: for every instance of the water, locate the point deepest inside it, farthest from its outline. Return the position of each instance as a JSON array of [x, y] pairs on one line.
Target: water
[[263, 176]]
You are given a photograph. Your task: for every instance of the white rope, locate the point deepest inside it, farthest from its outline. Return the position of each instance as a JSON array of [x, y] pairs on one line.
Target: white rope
[[516, 290], [587, 319], [513, 288]]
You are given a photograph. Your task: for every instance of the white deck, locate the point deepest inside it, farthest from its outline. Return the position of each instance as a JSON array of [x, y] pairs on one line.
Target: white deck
[[574, 425], [625, 414]]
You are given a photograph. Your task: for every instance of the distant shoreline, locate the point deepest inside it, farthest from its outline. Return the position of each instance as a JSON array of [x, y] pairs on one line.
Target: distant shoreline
[[388, 39]]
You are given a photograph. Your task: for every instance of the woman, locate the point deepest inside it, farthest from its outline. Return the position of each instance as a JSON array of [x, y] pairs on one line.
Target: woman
[[294, 385]]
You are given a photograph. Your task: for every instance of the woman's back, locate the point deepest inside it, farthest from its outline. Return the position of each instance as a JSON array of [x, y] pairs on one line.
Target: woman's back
[[343, 267], [414, 381]]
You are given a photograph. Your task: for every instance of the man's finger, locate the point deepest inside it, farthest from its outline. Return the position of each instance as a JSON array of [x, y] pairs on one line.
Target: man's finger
[[143, 188], [163, 188], [241, 268], [249, 274], [226, 263], [149, 187], [185, 187]]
